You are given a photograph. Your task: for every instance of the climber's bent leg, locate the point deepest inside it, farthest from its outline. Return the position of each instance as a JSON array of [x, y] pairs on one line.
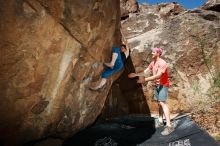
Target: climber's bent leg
[[100, 85]]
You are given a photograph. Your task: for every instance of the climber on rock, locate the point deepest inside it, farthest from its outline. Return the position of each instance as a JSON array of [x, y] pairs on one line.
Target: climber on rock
[[115, 65]]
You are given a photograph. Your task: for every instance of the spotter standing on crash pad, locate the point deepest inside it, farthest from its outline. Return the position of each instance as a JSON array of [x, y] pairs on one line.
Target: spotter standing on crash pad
[[159, 68]]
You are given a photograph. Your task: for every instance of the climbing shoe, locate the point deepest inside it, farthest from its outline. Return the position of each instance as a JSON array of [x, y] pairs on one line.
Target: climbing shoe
[[167, 130]]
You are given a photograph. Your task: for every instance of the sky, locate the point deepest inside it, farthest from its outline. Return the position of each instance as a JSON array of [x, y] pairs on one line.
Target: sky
[[187, 4]]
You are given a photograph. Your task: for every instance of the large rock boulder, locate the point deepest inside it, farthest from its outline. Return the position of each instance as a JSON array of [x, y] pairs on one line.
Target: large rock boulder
[[127, 7], [213, 5], [50, 52]]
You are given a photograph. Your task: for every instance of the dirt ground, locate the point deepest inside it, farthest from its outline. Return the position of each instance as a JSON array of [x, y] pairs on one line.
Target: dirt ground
[[209, 121]]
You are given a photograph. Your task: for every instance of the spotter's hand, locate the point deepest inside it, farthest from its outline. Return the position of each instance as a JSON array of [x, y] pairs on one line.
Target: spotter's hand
[[141, 80]]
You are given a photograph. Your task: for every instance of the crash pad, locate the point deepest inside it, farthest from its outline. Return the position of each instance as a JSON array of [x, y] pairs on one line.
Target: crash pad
[[139, 130]]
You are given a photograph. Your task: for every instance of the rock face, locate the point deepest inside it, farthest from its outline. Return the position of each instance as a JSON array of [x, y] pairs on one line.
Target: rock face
[[128, 6], [191, 42], [149, 17], [50, 52], [213, 5]]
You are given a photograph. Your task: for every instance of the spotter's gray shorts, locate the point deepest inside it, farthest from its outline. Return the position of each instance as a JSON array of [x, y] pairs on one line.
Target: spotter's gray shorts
[[160, 93]]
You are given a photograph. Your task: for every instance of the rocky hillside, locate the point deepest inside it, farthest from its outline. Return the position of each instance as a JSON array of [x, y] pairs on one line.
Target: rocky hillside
[[191, 43]]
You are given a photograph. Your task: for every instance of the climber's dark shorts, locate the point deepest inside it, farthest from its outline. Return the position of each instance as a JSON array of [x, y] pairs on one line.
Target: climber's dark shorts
[[108, 71]]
